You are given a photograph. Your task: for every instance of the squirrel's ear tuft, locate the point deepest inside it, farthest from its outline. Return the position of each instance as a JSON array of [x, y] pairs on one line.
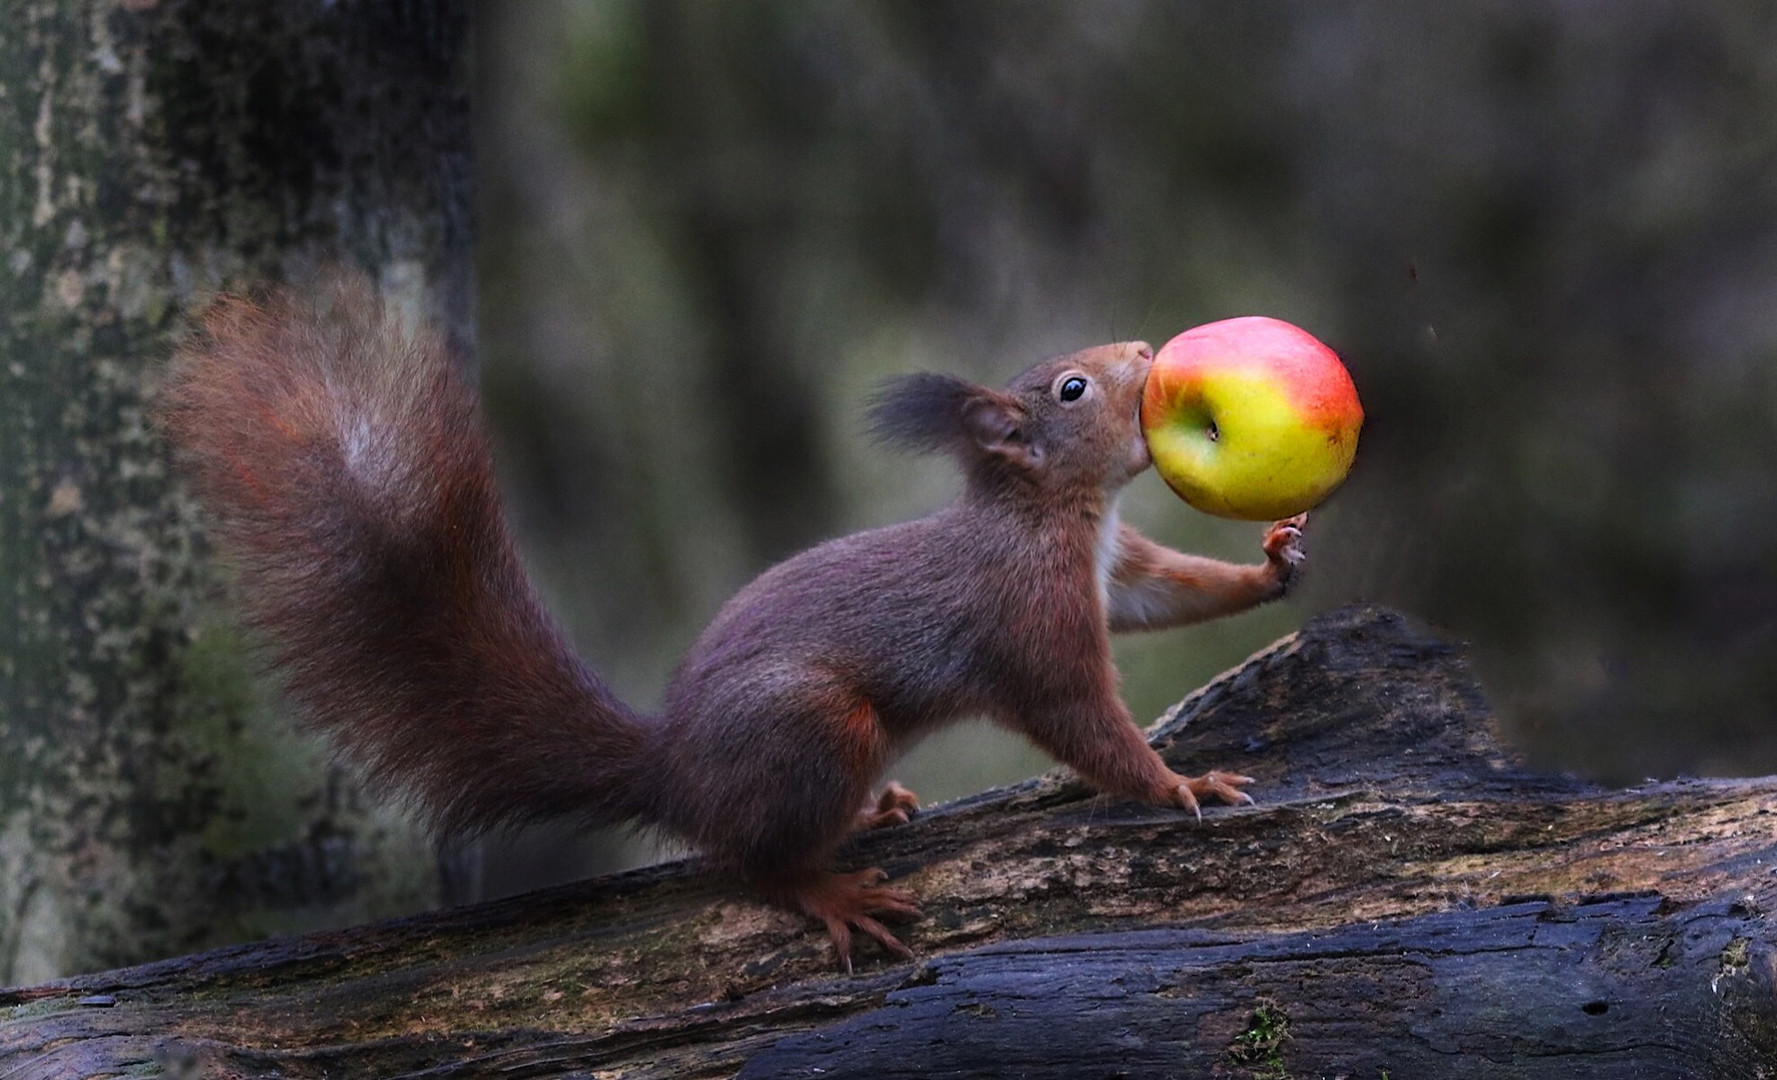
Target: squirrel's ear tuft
[[922, 412], [930, 411]]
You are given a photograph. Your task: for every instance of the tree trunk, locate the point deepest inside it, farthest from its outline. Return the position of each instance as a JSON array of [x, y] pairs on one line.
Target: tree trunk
[[152, 153], [1402, 901]]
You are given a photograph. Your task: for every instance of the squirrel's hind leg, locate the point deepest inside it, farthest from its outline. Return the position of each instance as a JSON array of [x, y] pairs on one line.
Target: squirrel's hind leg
[[782, 777]]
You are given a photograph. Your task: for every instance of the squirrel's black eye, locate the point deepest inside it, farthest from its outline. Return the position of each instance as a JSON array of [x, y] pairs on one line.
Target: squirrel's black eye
[[1072, 388]]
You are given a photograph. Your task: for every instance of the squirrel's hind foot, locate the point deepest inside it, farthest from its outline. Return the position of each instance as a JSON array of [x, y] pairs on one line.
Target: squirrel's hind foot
[[844, 902], [894, 807]]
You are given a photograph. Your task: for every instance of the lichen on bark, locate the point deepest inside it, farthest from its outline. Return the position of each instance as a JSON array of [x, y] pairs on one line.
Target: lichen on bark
[[152, 799]]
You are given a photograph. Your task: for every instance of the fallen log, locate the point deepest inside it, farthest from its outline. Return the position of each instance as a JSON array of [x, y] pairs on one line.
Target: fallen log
[[1404, 900]]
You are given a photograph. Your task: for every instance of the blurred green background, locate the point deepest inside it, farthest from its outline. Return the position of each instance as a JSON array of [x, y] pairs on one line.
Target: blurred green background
[[1544, 237]]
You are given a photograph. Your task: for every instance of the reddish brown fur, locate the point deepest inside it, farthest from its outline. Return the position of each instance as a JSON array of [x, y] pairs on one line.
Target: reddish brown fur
[[388, 595], [349, 479], [1153, 586]]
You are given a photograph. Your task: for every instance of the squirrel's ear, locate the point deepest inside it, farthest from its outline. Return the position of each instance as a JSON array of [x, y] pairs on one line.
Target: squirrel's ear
[[930, 411], [996, 425]]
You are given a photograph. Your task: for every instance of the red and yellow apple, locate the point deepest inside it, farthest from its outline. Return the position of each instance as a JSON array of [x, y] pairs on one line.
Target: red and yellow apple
[[1250, 418]]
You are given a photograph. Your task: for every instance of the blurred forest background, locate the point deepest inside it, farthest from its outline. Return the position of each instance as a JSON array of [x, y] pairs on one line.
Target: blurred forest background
[[1544, 236]]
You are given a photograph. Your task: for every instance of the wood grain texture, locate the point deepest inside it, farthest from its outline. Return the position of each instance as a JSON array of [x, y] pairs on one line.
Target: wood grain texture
[[1404, 900]]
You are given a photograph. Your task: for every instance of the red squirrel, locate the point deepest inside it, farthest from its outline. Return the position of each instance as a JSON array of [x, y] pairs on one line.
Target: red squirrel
[[349, 481]]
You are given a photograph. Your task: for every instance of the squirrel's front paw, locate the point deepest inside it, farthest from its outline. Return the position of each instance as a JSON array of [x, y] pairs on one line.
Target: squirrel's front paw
[[1283, 546], [1221, 786]]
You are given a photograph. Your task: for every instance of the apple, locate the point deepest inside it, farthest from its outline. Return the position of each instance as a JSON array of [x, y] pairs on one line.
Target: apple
[[1250, 418]]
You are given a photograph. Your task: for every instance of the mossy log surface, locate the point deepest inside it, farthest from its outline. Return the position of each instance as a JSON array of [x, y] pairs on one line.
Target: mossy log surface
[[1404, 900]]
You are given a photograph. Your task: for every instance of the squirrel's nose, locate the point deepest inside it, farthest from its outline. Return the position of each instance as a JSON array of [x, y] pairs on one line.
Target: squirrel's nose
[[1139, 359]]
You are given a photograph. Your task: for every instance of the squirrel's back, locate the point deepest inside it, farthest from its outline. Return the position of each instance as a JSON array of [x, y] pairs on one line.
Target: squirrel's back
[[349, 482]]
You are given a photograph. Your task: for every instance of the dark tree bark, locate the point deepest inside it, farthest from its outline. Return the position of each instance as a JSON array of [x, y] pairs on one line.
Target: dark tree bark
[[152, 153], [1403, 901]]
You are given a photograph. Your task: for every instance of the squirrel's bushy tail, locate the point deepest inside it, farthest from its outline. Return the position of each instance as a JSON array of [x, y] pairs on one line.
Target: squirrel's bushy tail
[[348, 480]]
